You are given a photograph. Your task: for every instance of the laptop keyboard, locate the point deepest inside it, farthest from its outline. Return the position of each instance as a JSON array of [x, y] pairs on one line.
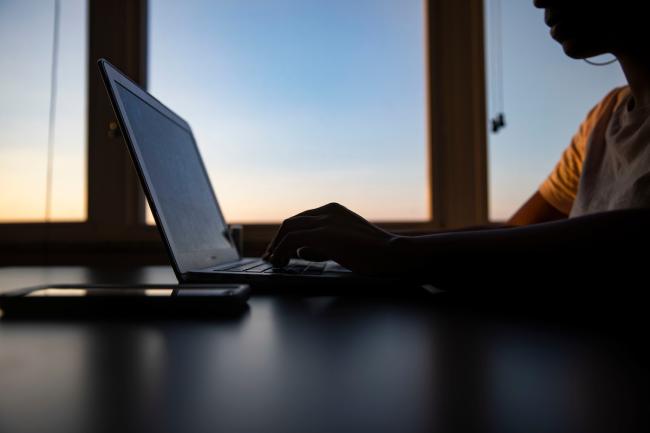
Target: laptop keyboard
[[262, 267]]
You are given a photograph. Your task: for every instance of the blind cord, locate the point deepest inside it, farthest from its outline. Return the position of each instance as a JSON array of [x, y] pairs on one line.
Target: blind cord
[[52, 115], [51, 125], [498, 119]]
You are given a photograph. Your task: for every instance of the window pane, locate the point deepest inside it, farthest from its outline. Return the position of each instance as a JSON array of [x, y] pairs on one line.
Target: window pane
[[26, 30], [546, 96], [296, 103]]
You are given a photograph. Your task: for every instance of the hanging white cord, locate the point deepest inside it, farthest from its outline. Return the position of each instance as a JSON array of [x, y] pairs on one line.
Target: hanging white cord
[[499, 53], [497, 122], [50, 134], [52, 117]]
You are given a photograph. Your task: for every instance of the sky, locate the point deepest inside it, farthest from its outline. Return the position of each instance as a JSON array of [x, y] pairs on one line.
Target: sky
[[297, 103], [294, 103], [26, 29]]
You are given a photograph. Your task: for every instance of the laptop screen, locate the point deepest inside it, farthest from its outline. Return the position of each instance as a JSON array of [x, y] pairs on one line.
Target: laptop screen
[[178, 184]]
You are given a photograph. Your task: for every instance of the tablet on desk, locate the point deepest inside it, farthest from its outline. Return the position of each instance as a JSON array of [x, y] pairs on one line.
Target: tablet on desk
[[109, 300]]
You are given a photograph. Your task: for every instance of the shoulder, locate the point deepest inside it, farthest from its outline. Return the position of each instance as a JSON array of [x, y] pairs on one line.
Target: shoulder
[[620, 95], [601, 114], [610, 102]]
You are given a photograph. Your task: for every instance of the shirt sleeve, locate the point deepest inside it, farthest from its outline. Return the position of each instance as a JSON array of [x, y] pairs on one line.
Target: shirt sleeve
[[561, 186]]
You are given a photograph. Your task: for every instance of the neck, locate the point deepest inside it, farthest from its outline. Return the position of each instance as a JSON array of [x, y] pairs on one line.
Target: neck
[[637, 73]]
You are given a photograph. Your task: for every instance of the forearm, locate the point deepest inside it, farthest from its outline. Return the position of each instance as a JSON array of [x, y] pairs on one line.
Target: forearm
[[493, 226], [602, 236]]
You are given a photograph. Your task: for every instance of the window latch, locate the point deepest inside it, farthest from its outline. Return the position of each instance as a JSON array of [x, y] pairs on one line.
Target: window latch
[[114, 130]]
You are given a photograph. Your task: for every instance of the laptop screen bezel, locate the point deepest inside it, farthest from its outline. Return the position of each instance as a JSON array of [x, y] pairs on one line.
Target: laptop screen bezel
[[182, 262]]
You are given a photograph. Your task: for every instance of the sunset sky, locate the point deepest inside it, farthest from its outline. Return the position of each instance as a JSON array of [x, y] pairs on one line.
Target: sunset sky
[[294, 103], [26, 33]]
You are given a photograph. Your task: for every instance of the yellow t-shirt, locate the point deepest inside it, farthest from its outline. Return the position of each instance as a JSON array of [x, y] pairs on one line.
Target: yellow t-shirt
[[561, 188]]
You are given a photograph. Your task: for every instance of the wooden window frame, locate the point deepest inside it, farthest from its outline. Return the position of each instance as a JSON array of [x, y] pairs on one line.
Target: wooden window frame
[[116, 231]]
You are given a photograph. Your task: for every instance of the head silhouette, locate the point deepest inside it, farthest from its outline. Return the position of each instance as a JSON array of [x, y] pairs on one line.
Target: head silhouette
[[587, 28]]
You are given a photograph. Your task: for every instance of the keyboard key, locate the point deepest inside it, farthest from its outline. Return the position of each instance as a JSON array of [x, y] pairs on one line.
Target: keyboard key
[[244, 267], [295, 266], [316, 268], [262, 267]]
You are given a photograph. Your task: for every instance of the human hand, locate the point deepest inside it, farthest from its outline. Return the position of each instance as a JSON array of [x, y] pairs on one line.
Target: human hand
[[333, 232]]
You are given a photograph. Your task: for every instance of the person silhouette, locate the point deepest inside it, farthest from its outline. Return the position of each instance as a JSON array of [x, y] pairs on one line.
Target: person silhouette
[[595, 205]]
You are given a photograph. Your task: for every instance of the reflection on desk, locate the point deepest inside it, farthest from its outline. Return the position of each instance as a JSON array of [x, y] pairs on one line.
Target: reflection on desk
[[324, 364]]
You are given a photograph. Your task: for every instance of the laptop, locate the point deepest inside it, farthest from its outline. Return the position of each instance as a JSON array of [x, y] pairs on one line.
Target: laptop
[[184, 204]]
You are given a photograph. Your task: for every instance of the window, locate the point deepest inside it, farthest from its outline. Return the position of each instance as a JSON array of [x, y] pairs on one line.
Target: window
[[25, 86], [546, 96], [296, 103]]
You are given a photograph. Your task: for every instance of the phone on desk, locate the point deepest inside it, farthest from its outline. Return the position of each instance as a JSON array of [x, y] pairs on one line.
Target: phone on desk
[[115, 301]]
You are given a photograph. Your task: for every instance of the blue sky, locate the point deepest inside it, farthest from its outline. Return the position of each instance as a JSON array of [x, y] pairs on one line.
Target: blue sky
[[297, 103], [294, 103]]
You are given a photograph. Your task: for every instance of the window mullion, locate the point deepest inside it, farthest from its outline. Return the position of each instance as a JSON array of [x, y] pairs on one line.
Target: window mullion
[[117, 31], [457, 113]]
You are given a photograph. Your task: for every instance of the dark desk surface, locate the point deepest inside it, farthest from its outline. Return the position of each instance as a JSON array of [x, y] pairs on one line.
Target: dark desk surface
[[327, 364]]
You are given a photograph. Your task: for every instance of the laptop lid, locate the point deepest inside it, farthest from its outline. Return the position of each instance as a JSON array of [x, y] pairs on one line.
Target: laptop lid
[[173, 176]]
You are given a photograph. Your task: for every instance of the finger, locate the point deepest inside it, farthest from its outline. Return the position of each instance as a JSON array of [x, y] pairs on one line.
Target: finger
[[312, 254], [293, 224], [322, 212], [287, 247]]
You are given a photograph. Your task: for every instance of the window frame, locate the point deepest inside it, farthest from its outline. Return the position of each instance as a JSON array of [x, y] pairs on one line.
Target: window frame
[[116, 231]]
